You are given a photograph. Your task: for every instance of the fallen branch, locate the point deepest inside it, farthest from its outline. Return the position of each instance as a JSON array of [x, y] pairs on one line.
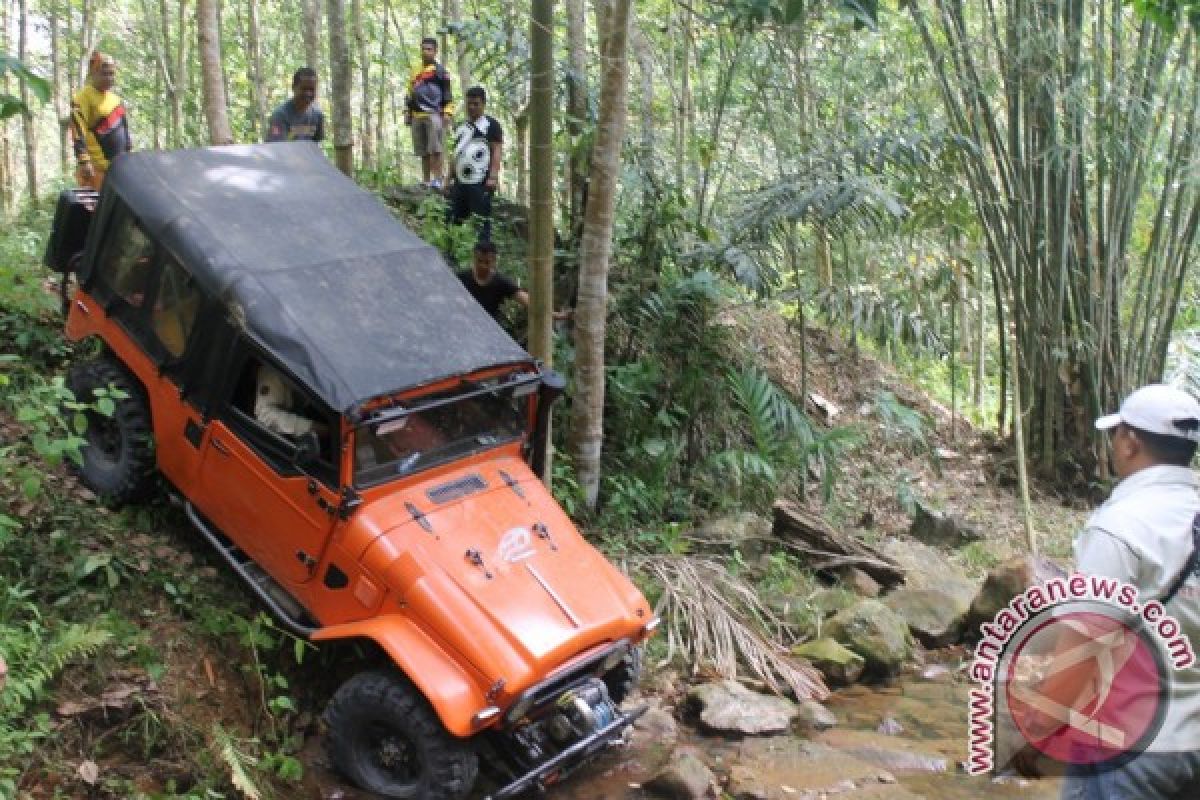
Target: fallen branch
[[811, 534]]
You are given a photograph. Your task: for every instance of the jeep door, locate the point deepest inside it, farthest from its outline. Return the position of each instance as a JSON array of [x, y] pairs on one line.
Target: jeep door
[[278, 511]]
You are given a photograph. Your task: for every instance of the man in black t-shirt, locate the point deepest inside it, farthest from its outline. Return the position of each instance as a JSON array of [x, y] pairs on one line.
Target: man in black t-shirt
[[488, 287], [477, 152], [491, 288]]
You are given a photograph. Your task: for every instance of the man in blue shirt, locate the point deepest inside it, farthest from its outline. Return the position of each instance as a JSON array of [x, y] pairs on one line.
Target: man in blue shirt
[[299, 119]]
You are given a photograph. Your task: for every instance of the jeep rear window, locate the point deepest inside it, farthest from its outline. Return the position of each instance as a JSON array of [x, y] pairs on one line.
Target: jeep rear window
[[127, 261], [438, 433]]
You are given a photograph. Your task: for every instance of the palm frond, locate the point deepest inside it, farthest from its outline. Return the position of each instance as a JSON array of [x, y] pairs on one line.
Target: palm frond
[[714, 620], [237, 761]]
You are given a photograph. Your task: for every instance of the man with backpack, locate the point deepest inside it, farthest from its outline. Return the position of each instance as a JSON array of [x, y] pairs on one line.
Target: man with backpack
[[476, 168], [1145, 535], [428, 103]]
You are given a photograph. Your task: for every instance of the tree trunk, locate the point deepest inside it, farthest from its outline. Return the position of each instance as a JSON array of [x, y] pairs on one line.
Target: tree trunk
[[87, 31], [521, 152], [462, 55], [166, 67], [591, 313], [212, 75], [254, 67], [312, 33], [6, 176], [541, 189], [341, 86], [366, 129], [28, 128], [577, 111], [184, 78], [383, 52], [61, 113]]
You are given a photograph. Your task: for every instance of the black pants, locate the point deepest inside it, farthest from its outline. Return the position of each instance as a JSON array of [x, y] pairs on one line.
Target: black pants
[[471, 199]]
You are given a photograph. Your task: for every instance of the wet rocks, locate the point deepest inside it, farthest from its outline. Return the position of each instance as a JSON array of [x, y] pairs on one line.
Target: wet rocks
[[1004, 583], [940, 528], [859, 582], [838, 664], [876, 633], [934, 616], [929, 568], [745, 531], [685, 778], [814, 717], [657, 724], [729, 707]]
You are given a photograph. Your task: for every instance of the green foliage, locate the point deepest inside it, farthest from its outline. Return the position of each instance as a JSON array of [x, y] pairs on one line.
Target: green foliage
[[779, 435], [36, 650], [1169, 13], [904, 426], [56, 421], [455, 241], [11, 105]]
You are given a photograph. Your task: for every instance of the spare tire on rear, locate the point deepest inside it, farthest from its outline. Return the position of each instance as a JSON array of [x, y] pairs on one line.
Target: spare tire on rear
[[118, 455]]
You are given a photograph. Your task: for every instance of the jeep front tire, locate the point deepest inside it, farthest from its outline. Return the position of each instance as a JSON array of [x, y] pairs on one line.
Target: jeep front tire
[[118, 455], [384, 736]]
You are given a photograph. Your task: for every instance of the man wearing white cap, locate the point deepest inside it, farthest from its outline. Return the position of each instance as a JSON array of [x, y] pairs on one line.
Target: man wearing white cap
[[1143, 535]]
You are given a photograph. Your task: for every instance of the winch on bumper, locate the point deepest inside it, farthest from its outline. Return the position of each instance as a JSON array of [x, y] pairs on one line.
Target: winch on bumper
[[560, 736]]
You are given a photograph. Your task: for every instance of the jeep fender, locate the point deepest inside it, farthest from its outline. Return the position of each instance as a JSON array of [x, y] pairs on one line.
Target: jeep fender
[[447, 687]]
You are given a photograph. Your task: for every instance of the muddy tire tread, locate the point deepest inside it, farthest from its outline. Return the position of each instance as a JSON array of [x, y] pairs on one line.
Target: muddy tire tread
[[132, 414], [451, 764]]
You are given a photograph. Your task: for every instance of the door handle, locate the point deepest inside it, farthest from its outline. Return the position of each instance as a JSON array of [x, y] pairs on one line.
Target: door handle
[[220, 447]]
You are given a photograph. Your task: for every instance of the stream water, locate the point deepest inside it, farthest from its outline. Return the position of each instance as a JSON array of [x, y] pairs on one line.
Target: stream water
[[854, 760]]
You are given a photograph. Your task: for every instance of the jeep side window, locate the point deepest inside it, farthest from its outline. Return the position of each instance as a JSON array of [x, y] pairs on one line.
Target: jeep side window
[[270, 411], [175, 307], [126, 263]]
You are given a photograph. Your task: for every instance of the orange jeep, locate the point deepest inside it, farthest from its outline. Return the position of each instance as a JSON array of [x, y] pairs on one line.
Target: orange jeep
[[354, 435]]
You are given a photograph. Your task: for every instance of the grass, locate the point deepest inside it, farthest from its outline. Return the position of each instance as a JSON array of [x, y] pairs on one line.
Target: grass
[[118, 620]]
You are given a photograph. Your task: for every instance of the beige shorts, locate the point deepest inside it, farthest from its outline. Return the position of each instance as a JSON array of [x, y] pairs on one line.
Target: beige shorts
[[427, 134]]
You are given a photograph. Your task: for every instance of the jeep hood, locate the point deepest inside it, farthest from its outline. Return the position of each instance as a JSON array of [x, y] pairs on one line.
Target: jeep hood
[[498, 572]]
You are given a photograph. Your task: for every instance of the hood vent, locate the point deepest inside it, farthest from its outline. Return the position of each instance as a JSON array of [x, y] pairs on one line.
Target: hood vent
[[456, 489]]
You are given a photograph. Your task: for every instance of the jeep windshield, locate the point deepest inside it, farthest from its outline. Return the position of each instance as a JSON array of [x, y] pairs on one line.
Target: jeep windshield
[[442, 428]]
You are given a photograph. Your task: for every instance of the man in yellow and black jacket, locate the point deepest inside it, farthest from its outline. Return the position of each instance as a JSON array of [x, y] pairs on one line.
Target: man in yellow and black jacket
[[99, 124], [426, 107]]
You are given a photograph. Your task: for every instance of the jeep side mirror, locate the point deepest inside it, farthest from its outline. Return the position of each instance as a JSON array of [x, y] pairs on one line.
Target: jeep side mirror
[[308, 447], [551, 388]]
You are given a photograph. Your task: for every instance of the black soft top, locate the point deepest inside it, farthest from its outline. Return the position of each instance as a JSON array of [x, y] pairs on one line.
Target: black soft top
[[314, 269]]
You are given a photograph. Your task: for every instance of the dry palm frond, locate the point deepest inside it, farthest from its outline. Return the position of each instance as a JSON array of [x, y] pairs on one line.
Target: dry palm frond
[[239, 763], [712, 618]]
